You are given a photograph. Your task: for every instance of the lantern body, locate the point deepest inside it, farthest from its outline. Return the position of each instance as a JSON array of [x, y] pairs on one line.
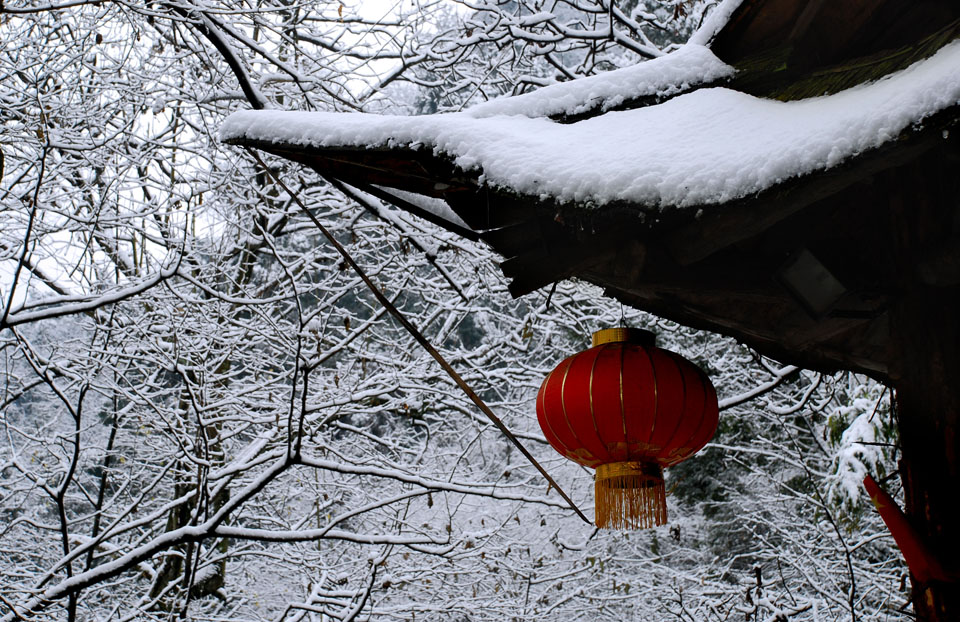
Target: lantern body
[[628, 409]]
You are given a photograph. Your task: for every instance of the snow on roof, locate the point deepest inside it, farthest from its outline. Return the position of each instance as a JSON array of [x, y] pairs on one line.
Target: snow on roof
[[662, 77], [667, 75], [437, 207], [714, 22], [709, 146]]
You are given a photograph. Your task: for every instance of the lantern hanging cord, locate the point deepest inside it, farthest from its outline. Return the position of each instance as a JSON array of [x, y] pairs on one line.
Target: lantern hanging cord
[[418, 336]]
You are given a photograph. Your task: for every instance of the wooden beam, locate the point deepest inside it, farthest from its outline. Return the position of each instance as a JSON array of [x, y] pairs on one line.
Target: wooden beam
[[388, 197], [485, 208], [927, 335], [768, 338]]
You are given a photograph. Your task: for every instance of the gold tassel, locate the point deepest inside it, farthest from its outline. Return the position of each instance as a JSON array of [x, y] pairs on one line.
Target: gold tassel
[[630, 495]]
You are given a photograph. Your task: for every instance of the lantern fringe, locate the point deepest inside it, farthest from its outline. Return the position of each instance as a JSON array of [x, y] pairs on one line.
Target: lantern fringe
[[630, 495]]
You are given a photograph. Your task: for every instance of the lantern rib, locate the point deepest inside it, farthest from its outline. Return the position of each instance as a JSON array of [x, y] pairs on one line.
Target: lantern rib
[[567, 451], [698, 431], [695, 431], [623, 407], [683, 383], [563, 399], [593, 416], [711, 398], [656, 396], [703, 411]]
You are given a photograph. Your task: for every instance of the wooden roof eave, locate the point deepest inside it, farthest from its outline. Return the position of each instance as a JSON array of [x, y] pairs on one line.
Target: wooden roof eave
[[655, 259], [544, 241], [373, 170], [720, 226], [872, 207]]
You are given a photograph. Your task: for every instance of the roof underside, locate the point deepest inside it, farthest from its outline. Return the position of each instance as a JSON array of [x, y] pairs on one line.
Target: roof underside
[[727, 268]]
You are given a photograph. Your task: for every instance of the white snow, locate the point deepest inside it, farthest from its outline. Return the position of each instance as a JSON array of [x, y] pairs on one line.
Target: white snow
[[662, 76], [437, 207], [717, 19], [705, 147], [857, 454]]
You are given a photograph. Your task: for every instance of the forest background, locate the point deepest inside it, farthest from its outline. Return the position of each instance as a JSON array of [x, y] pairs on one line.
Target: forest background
[[205, 416]]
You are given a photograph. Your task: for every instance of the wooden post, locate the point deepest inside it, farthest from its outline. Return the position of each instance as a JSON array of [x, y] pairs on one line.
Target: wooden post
[[925, 326], [928, 404]]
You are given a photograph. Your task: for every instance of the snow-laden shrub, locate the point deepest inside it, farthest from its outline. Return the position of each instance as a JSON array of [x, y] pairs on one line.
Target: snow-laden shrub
[[860, 435]]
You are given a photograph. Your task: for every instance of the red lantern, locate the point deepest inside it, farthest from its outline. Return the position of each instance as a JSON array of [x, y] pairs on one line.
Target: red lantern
[[627, 409]]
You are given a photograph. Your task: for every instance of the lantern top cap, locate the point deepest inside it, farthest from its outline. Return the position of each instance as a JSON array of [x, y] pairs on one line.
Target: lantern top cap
[[622, 334]]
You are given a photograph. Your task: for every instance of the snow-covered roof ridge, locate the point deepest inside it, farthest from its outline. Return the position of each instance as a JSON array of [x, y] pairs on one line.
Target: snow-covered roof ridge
[[709, 146], [661, 77]]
